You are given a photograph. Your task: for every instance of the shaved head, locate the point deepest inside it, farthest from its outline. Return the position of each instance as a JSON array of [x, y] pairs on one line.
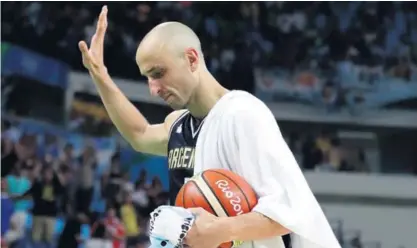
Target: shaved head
[[173, 37], [170, 56]]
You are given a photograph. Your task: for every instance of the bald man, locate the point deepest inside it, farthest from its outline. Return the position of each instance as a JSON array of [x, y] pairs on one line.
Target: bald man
[[216, 128]]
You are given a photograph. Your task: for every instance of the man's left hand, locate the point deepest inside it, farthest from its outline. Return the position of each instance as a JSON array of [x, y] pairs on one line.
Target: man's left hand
[[203, 233]]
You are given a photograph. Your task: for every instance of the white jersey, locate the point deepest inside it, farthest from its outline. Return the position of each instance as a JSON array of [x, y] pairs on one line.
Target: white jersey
[[241, 134]]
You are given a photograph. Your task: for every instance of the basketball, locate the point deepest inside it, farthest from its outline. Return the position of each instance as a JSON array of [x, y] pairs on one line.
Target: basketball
[[220, 192]]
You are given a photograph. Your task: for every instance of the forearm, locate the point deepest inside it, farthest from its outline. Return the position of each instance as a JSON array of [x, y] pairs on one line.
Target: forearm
[[247, 227], [127, 119]]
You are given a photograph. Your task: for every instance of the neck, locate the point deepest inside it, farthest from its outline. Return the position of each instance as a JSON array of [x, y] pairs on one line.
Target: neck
[[206, 95]]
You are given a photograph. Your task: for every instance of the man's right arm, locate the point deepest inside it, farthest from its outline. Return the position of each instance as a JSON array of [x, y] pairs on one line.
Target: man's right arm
[[133, 126], [142, 136]]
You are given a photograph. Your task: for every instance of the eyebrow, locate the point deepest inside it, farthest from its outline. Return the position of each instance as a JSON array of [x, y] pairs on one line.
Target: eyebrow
[[150, 70]]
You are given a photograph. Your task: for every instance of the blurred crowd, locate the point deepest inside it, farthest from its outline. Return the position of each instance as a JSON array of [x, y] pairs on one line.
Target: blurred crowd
[[70, 191], [54, 197], [377, 36], [349, 55]]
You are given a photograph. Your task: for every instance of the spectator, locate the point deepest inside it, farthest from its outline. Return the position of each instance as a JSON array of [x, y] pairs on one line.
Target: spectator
[[67, 157], [324, 164], [128, 186], [98, 203], [71, 234], [85, 176], [7, 209], [50, 146], [45, 193], [18, 184], [154, 192], [114, 228], [130, 221], [335, 154], [140, 196], [116, 182], [8, 156], [98, 236], [330, 96], [323, 142]]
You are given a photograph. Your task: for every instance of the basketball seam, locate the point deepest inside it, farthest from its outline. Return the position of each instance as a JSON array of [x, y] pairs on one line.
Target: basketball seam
[[183, 197], [214, 193], [218, 209], [237, 185], [205, 198]]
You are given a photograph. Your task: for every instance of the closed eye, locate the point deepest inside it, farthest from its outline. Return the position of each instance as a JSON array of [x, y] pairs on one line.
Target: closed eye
[[157, 74]]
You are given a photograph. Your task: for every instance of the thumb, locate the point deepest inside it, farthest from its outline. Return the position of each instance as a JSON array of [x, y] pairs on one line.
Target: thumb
[[83, 47]]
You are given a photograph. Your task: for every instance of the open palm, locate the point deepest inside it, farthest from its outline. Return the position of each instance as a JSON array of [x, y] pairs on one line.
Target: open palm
[[93, 56]]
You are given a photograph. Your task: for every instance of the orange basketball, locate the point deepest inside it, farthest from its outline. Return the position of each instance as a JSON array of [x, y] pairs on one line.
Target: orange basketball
[[220, 192]]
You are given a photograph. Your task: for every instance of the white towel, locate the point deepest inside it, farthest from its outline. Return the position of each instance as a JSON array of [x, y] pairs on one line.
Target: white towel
[[241, 134], [169, 226]]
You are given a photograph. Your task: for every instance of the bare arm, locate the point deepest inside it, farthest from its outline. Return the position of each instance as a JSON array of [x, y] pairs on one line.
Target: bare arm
[[134, 127], [247, 227]]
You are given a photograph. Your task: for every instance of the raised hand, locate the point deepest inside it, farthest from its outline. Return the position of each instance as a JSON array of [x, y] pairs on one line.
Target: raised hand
[[93, 57]]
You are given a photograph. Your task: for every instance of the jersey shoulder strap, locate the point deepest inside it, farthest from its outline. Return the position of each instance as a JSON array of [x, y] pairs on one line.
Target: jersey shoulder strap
[[174, 124]]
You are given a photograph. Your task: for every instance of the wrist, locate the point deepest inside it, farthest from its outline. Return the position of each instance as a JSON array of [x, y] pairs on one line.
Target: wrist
[[101, 75], [223, 227]]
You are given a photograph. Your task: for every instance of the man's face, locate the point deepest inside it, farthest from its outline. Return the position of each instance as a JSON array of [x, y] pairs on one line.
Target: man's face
[[172, 77]]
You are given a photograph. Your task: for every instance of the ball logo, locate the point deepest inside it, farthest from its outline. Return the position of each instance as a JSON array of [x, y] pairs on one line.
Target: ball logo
[[234, 200]]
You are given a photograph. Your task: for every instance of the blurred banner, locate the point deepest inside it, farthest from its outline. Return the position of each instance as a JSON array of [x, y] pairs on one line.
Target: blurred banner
[[95, 110], [25, 72], [360, 89], [25, 63], [135, 91], [86, 113], [290, 98], [363, 97], [279, 85]]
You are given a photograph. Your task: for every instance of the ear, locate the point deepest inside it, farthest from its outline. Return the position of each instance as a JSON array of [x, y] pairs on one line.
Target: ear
[[193, 58]]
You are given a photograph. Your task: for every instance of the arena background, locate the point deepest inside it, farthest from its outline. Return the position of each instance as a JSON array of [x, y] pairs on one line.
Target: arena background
[[340, 78]]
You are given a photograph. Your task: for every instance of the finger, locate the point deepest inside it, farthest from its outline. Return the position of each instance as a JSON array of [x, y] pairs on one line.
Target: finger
[[83, 47], [102, 23], [94, 45], [196, 211], [87, 59]]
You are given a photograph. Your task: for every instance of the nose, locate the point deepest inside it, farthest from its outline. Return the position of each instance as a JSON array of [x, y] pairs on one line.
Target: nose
[[154, 87]]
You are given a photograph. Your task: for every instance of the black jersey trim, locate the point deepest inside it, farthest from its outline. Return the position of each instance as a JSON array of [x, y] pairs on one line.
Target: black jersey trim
[[176, 122], [194, 133]]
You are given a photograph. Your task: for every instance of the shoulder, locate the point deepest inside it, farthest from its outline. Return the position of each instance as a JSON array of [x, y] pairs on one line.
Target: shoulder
[[173, 117], [248, 106]]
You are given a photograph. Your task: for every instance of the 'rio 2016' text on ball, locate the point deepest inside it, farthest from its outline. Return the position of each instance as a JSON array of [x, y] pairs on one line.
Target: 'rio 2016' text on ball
[[235, 200]]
